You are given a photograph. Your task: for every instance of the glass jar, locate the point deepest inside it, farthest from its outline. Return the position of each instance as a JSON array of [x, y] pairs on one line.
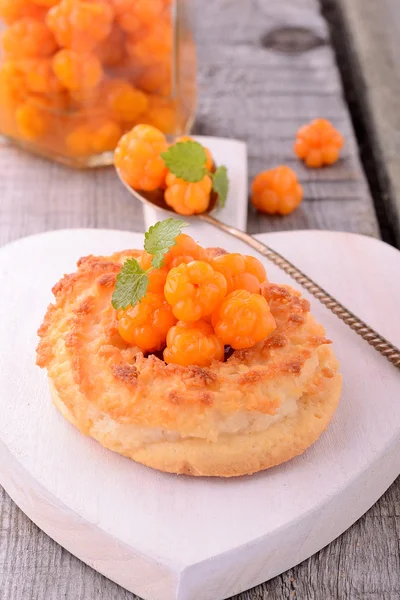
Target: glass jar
[[76, 74]]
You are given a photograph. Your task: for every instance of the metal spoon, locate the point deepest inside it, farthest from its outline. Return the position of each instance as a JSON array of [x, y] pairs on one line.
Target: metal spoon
[[371, 336]]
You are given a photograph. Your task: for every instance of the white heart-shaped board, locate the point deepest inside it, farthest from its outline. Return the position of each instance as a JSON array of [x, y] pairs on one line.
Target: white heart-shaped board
[[168, 537]]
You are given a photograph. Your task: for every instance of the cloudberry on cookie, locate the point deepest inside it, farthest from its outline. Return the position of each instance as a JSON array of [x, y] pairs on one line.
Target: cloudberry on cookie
[[193, 344], [241, 272], [243, 319], [194, 290], [146, 325]]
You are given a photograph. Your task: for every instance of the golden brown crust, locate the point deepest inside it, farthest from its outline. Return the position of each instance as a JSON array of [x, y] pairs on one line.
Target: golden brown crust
[[104, 385], [240, 454]]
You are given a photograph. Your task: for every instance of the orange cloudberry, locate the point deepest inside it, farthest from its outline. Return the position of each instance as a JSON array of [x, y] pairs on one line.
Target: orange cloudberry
[[151, 44], [46, 3], [157, 277], [111, 51], [132, 16], [28, 38], [40, 77], [186, 250], [80, 24], [30, 121], [188, 198], [155, 78], [277, 191], [125, 102], [146, 325], [194, 290], [93, 138], [138, 159], [318, 143], [161, 113], [241, 272], [243, 319], [13, 10], [193, 344], [76, 71]]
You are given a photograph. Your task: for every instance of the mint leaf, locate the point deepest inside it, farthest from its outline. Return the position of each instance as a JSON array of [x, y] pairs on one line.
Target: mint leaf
[[161, 237], [186, 160], [221, 185], [131, 286]]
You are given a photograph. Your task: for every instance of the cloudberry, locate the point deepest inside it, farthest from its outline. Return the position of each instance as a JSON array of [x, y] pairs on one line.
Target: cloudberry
[[30, 121], [111, 51], [105, 136], [93, 139], [157, 277], [132, 16], [138, 158], [12, 82], [46, 3], [12, 10], [186, 250], [80, 24], [209, 162], [193, 344], [194, 290], [156, 79], [162, 114], [39, 76], [154, 43], [318, 143], [277, 191], [240, 272], [243, 319], [188, 198], [76, 71], [126, 102], [146, 325], [28, 38]]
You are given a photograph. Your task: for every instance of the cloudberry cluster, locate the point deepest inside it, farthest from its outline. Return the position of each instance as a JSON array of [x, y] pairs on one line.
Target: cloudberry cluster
[[108, 60], [142, 167], [195, 306]]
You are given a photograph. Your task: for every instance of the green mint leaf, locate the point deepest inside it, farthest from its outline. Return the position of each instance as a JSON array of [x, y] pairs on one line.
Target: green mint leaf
[[131, 286], [186, 160], [161, 237], [221, 185]]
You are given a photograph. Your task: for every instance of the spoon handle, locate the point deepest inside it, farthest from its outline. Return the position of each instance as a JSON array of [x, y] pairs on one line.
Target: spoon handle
[[371, 336]]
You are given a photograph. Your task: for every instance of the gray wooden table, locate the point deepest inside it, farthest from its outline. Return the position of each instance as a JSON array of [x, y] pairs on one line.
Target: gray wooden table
[[266, 67]]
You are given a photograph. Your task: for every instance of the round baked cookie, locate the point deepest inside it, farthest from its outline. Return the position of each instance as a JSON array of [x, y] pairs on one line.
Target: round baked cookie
[[259, 408]]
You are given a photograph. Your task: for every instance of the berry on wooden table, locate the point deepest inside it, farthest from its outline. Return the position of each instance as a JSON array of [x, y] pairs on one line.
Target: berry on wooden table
[[318, 143], [146, 325], [194, 290], [193, 344], [276, 191], [243, 319], [138, 158]]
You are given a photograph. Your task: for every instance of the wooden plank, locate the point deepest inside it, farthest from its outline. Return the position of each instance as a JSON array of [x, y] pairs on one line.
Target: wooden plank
[[369, 31], [251, 89]]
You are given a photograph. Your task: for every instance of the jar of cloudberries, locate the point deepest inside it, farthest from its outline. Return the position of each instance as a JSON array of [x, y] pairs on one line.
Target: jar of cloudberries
[[75, 75]]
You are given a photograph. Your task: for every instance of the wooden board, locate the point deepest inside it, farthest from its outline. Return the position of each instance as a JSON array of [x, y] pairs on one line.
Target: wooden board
[[272, 92], [171, 538], [370, 34]]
